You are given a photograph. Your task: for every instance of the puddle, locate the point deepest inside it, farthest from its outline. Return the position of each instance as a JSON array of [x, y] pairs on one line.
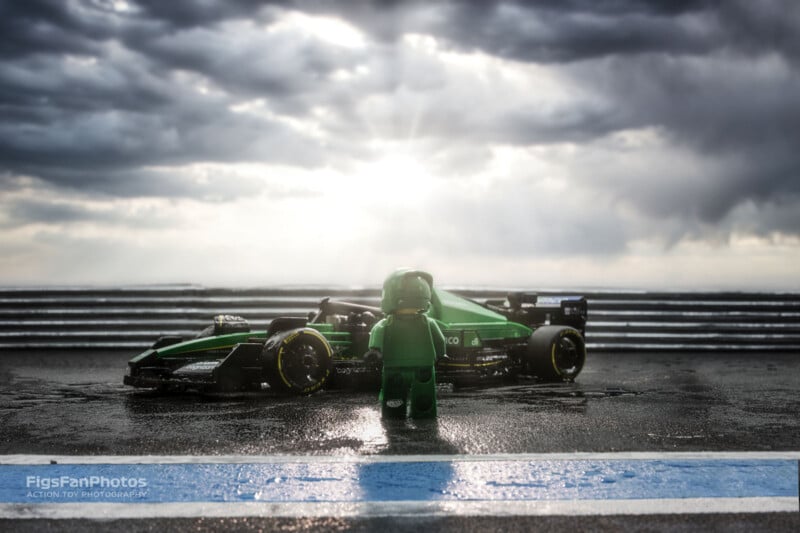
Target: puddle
[[569, 396], [32, 393]]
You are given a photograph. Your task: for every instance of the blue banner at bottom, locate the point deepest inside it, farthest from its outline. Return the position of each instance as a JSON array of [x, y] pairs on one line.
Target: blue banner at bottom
[[360, 481]]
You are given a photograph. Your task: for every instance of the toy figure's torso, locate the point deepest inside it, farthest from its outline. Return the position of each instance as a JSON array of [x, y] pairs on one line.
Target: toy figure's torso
[[408, 340]]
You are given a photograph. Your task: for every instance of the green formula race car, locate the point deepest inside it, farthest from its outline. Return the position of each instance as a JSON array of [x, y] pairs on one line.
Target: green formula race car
[[522, 335]]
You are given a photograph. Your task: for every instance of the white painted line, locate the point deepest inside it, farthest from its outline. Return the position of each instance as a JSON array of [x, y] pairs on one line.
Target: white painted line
[[28, 459], [399, 508]]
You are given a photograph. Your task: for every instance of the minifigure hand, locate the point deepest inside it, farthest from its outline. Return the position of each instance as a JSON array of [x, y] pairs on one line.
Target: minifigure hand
[[373, 358]]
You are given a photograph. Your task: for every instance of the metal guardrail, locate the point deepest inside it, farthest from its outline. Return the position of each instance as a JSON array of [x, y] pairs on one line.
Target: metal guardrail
[[131, 318]]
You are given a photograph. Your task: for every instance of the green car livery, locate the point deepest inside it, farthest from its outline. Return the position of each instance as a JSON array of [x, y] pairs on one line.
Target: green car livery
[[522, 335]]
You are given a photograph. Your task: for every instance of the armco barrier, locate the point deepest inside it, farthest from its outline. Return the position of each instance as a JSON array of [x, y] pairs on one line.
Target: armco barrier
[[132, 317]]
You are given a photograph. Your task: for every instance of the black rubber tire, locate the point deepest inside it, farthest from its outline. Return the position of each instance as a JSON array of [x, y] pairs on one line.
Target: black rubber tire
[[555, 353], [298, 361]]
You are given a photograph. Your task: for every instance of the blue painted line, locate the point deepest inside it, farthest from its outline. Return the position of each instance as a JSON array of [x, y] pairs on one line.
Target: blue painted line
[[400, 481]]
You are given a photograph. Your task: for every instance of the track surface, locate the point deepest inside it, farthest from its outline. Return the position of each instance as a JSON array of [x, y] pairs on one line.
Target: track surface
[[73, 403]]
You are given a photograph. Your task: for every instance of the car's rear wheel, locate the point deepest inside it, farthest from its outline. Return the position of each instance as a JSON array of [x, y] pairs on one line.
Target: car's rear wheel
[[555, 353], [297, 361]]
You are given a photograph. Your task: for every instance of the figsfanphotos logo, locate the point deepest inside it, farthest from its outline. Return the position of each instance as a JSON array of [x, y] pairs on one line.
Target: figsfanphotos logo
[[87, 487]]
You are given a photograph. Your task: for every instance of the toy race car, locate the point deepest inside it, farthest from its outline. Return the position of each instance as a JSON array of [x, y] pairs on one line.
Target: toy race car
[[524, 334]]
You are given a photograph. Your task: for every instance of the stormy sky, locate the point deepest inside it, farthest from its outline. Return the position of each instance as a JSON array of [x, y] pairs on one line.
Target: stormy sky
[[582, 143]]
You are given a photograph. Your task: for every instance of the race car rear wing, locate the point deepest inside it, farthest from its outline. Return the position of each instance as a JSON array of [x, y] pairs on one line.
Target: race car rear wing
[[534, 310]]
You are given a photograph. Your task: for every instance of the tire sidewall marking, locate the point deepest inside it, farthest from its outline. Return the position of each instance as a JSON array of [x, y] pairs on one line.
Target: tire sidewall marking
[[553, 357]]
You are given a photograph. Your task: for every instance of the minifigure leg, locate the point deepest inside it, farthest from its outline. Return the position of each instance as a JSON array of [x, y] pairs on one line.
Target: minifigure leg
[[394, 392], [423, 393]]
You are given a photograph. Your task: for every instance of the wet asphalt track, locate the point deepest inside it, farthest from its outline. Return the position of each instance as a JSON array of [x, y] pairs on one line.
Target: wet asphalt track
[[73, 403]]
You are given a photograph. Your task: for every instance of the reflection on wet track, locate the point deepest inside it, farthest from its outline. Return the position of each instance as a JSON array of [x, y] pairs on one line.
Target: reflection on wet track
[[74, 403]]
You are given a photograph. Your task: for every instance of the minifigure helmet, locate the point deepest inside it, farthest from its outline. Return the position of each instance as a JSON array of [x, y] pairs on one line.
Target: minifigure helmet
[[407, 289]]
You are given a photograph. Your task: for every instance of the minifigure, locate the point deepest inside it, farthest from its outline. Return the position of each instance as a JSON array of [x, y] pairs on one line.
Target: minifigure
[[409, 343]]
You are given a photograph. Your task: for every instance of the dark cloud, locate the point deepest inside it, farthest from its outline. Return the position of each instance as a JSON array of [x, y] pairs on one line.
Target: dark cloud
[[720, 79], [95, 98], [557, 31], [30, 211], [59, 212], [41, 26], [94, 125], [769, 26], [541, 31], [184, 14], [254, 64], [738, 119], [89, 96], [104, 151]]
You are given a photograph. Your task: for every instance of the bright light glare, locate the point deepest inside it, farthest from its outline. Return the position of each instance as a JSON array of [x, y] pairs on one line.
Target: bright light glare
[[393, 180], [331, 30]]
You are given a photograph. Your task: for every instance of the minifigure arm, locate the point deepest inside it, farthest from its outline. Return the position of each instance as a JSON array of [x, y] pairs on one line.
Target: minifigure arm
[[438, 339], [376, 336]]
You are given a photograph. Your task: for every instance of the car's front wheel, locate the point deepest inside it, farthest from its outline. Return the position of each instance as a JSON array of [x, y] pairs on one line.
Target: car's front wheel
[[297, 361]]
